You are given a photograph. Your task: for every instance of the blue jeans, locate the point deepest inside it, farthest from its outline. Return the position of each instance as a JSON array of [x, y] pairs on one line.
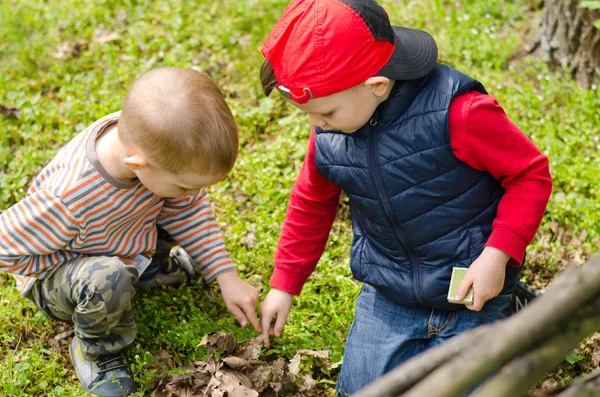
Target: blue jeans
[[384, 334]]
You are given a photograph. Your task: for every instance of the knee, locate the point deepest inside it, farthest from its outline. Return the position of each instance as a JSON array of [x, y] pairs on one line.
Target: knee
[[106, 279]]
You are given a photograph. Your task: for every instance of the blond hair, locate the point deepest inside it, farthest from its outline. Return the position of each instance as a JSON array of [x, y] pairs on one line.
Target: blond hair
[[179, 119]]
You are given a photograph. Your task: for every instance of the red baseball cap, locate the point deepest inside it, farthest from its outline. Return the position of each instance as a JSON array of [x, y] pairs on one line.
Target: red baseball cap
[[321, 47]]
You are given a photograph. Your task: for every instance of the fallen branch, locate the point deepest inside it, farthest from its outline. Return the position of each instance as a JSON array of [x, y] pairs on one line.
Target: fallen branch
[[517, 377], [467, 360]]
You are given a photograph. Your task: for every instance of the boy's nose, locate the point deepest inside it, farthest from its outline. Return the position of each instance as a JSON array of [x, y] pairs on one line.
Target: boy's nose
[[315, 120]]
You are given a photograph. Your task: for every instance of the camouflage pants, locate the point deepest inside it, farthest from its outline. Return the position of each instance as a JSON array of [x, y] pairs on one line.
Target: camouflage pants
[[94, 293]]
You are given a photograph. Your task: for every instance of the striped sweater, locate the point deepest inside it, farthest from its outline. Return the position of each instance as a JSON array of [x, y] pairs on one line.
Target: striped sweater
[[75, 208]]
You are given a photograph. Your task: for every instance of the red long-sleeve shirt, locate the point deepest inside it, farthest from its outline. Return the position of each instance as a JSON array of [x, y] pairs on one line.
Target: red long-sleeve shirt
[[480, 135]]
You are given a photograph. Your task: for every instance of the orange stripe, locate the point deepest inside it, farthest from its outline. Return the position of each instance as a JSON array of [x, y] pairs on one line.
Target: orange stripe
[[189, 235], [108, 204], [205, 258], [122, 222], [60, 209], [138, 241], [202, 243], [91, 198], [116, 235], [178, 210], [192, 232], [16, 230], [43, 231], [77, 188], [217, 265], [75, 169], [58, 226], [184, 222], [6, 240]]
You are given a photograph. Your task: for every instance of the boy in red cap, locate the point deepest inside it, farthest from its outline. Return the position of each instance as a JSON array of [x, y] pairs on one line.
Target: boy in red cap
[[437, 175]]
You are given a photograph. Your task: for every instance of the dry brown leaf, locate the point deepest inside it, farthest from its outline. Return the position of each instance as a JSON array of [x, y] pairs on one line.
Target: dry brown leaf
[[69, 49], [234, 378], [206, 367], [121, 16], [163, 358], [10, 111], [102, 36], [250, 350], [308, 384], [283, 380], [60, 339], [294, 366], [238, 362], [322, 355], [261, 377], [250, 240], [336, 365], [226, 343], [244, 41], [237, 373], [234, 384]]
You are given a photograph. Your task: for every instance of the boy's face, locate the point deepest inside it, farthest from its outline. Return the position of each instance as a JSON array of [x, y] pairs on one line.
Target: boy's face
[[347, 110], [168, 185]]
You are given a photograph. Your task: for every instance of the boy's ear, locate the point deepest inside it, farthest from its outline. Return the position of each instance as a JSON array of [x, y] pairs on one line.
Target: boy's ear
[[135, 162], [378, 84]]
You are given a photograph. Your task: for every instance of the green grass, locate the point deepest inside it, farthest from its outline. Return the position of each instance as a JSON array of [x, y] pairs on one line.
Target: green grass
[[58, 97]]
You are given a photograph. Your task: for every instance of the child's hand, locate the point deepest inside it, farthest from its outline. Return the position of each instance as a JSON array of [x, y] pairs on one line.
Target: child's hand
[[486, 276], [275, 307], [240, 298]]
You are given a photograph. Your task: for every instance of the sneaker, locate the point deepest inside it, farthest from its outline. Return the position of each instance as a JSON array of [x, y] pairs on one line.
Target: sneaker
[[168, 269], [107, 376]]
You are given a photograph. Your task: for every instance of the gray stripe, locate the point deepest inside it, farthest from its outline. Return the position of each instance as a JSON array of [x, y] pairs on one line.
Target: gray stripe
[[213, 260], [58, 217], [207, 234], [191, 226], [125, 219], [72, 199], [49, 228], [19, 240], [117, 204]]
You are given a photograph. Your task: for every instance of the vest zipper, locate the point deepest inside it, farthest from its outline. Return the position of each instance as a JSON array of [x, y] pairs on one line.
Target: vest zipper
[[389, 214]]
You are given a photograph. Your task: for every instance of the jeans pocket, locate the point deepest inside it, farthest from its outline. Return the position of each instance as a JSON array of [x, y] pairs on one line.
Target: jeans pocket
[[503, 298]]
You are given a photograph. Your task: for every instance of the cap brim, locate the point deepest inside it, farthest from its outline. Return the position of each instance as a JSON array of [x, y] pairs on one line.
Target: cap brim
[[415, 55]]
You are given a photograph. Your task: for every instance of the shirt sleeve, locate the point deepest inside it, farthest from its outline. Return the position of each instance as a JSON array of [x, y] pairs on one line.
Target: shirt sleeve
[[191, 222], [310, 214], [482, 136], [35, 232]]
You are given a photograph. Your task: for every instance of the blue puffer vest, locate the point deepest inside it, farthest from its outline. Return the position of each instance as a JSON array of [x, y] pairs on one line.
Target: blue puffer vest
[[417, 211]]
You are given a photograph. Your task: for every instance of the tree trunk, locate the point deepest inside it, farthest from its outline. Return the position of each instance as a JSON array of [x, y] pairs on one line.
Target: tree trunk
[[569, 38]]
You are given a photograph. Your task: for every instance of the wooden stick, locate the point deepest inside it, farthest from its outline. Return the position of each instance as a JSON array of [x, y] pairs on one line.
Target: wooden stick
[[517, 377], [501, 343]]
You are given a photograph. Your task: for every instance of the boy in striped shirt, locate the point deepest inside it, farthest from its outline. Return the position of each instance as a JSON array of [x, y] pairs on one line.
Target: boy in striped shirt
[[87, 228]]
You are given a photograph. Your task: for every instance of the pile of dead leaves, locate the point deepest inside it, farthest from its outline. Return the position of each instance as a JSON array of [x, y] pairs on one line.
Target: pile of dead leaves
[[237, 372]]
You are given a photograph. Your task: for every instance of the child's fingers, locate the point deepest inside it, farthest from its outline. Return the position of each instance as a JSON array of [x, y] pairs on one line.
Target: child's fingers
[[463, 288], [238, 314], [265, 320], [250, 312], [279, 325]]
